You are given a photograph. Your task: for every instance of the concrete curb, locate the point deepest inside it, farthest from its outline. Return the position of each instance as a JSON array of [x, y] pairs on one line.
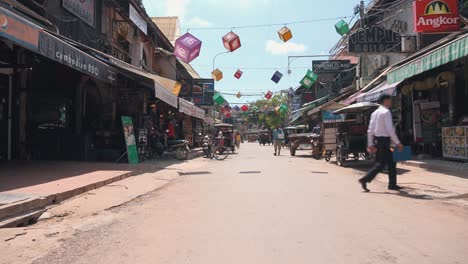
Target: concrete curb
[[436, 168], [21, 212]]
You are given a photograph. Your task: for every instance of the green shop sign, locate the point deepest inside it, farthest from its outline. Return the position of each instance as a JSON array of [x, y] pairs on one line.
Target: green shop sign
[[453, 51], [130, 141]]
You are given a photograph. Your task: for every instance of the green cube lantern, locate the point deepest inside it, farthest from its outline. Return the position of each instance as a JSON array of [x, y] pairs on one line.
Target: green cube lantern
[[283, 108], [218, 99], [309, 79], [342, 27]]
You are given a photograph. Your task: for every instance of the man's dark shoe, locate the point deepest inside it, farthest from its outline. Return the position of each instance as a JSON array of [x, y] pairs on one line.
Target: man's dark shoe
[[274, 154], [364, 185], [395, 188]]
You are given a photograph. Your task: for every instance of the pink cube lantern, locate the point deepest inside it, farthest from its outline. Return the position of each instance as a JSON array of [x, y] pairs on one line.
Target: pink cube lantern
[[268, 95], [187, 48], [231, 41], [238, 74]]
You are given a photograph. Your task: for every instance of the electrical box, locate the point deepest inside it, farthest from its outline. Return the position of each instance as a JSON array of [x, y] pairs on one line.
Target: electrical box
[[408, 44]]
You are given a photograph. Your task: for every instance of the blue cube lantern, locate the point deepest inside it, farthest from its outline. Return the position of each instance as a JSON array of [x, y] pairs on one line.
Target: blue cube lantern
[[277, 77]]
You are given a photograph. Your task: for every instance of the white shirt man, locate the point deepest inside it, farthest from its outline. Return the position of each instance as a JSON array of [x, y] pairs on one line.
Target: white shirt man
[[380, 134], [381, 125]]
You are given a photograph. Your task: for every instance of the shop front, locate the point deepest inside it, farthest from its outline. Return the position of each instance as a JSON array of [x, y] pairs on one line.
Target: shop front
[[192, 118], [51, 93], [433, 96]]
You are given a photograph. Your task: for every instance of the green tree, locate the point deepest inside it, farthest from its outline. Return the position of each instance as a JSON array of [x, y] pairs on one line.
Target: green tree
[[266, 114]]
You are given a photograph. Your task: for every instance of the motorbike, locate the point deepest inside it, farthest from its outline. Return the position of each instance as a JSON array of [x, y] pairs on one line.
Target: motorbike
[[159, 144]]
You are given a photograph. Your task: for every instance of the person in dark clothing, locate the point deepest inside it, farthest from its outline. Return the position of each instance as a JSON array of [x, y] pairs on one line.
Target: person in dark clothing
[[381, 134]]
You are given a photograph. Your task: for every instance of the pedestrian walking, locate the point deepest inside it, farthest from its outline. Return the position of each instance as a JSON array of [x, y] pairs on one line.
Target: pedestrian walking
[[278, 139], [381, 134]]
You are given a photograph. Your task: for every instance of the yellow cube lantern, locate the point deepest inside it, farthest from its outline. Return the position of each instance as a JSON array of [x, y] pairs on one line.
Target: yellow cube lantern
[[285, 34], [217, 75]]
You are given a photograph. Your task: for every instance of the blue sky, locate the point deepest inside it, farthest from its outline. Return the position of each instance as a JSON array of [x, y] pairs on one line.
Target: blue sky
[[261, 47]]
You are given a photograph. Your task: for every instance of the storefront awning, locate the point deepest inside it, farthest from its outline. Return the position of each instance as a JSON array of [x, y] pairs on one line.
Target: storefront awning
[[374, 94], [190, 109], [455, 49], [161, 88], [352, 99], [60, 51], [33, 37], [328, 104]]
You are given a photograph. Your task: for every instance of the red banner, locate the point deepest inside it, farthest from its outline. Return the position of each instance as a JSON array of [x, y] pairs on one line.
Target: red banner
[[436, 16]]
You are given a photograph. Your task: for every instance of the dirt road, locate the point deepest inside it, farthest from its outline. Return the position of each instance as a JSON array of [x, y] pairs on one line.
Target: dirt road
[[257, 208]]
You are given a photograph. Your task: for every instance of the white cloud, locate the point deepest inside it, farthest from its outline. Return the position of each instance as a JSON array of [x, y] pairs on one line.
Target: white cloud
[[281, 48], [241, 4], [176, 8], [197, 21]]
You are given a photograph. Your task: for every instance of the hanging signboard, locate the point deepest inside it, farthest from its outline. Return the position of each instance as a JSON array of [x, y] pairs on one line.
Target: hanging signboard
[[138, 20], [331, 66], [18, 29], [83, 9], [373, 40], [203, 91], [165, 95], [62, 52], [329, 117], [129, 135], [436, 16]]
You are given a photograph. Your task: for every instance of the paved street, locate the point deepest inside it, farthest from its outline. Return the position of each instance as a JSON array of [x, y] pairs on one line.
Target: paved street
[[257, 208]]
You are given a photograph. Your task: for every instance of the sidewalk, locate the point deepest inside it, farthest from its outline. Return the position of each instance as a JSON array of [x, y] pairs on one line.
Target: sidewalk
[[456, 168], [26, 188]]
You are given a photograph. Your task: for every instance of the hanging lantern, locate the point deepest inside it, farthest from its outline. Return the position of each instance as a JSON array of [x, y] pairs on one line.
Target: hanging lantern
[[238, 74], [277, 77], [309, 79], [187, 47], [245, 108], [231, 41], [218, 99], [228, 115], [254, 108], [237, 108], [283, 108], [285, 34], [268, 95], [342, 27], [217, 75], [239, 95]]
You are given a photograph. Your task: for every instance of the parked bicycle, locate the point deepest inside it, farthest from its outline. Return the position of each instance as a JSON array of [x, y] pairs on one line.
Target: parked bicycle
[[215, 149]]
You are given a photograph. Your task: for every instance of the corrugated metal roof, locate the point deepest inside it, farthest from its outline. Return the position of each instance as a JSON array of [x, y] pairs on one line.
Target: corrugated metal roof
[[169, 26], [190, 70]]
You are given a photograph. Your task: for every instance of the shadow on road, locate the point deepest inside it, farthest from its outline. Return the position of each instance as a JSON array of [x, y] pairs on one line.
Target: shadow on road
[[406, 195]]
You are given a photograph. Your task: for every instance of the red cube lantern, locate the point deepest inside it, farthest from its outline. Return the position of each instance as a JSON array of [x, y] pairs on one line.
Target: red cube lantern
[[187, 48], [245, 108], [231, 41], [269, 95], [238, 74]]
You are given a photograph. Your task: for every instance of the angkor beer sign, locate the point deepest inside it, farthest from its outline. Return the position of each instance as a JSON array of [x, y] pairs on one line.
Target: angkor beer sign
[[436, 16], [373, 40]]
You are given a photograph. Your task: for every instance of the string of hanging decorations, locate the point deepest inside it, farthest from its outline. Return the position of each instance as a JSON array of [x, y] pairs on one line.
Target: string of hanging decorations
[[187, 48]]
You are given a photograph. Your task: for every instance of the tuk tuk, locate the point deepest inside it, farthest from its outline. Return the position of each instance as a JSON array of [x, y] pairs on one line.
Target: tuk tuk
[[329, 123], [289, 131], [228, 134], [264, 137], [351, 140], [251, 136]]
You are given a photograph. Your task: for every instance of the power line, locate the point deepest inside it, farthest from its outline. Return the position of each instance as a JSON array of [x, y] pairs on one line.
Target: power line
[[269, 25]]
